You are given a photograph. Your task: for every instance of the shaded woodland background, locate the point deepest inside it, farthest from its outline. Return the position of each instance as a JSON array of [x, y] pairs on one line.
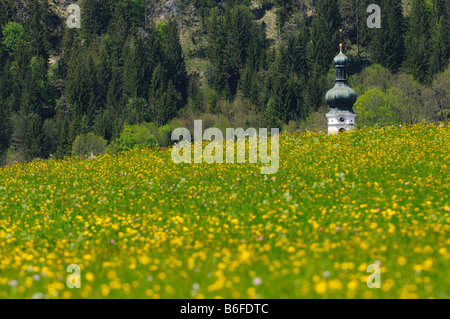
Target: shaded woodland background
[[138, 69]]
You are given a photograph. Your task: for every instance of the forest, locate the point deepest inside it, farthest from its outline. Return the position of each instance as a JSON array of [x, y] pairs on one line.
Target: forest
[[138, 69]]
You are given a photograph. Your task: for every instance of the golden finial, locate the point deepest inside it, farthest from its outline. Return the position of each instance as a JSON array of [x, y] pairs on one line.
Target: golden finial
[[340, 47]]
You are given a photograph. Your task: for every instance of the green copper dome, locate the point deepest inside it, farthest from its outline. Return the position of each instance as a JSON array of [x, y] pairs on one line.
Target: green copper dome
[[341, 58], [341, 97]]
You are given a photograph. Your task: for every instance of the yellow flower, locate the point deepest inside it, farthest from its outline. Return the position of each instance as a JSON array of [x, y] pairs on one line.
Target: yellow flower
[[90, 277], [401, 261], [321, 287]]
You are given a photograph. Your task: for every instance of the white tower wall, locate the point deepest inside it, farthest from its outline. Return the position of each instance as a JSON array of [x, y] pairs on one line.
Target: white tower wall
[[340, 122]]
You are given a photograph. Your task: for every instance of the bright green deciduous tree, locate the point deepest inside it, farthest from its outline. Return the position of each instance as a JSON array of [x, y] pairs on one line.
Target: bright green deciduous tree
[[88, 144], [11, 33]]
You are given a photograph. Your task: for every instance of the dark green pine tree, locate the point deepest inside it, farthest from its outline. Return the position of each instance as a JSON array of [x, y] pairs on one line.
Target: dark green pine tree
[[293, 54], [167, 105], [115, 39], [19, 71], [104, 125], [6, 11], [388, 44], [329, 11], [114, 98], [194, 93], [95, 17], [38, 27], [238, 28], [64, 145], [103, 75], [137, 68], [215, 34], [354, 21], [35, 90], [132, 11], [19, 133], [440, 39], [232, 39], [132, 70], [249, 85], [257, 48], [6, 85], [5, 128], [82, 92], [159, 80], [69, 45], [320, 53], [283, 12], [315, 91], [35, 141], [216, 41], [320, 48], [365, 34], [82, 86], [287, 98], [418, 41], [173, 53], [164, 96]]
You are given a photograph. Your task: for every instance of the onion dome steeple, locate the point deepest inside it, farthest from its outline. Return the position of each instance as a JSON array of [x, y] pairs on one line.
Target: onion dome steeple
[[341, 99]]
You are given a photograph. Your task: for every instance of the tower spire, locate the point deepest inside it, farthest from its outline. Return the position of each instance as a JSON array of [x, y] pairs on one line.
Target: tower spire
[[341, 98]]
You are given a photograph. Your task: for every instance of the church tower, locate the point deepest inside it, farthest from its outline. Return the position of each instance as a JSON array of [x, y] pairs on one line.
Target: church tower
[[341, 98]]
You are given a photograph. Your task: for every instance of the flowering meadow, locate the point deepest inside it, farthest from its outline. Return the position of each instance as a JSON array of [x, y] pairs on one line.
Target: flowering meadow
[[140, 226]]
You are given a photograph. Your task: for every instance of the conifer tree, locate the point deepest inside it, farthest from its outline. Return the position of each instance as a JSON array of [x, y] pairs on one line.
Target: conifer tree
[[19, 123], [167, 104], [6, 85], [315, 91], [418, 40], [257, 48], [38, 27], [388, 45], [64, 146], [96, 16], [287, 99], [132, 71], [6, 11], [249, 85], [320, 53], [35, 89], [176, 65], [114, 98], [69, 46], [320, 47], [440, 37], [283, 13], [103, 76], [22, 58], [354, 17], [293, 55], [5, 129], [159, 80], [329, 11], [82, 85], [35, 141], [194, 94]]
